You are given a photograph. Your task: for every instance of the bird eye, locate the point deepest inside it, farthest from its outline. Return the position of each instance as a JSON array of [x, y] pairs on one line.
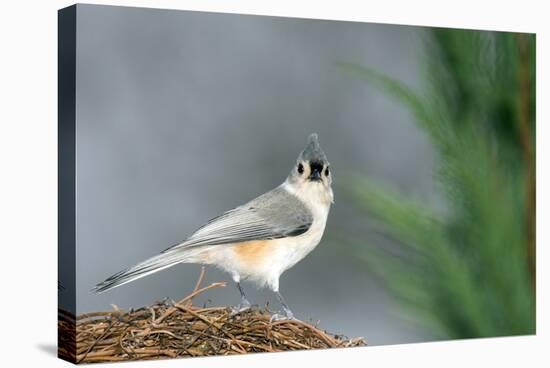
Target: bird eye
[[300, 168], [327, 172]]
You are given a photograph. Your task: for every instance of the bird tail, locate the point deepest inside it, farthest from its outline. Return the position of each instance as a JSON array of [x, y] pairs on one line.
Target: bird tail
[[147, 267]]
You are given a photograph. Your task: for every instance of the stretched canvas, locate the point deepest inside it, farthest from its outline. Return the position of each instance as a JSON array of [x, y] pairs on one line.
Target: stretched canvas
[[237, 184]]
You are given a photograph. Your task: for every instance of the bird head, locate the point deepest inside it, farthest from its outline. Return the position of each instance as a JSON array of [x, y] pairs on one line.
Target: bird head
[[312, 169]]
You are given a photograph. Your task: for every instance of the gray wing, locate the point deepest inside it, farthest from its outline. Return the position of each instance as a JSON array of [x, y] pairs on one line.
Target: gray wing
[[275, 214]]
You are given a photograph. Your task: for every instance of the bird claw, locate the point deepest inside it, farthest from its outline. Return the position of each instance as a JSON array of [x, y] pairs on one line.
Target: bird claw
[[243, 306], [288, 316]]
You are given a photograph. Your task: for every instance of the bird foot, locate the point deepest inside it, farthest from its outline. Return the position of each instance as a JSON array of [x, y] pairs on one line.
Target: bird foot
[[287, 316], [244, 305]]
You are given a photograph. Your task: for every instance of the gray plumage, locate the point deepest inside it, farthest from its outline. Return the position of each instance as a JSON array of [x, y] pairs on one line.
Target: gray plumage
[[313, 151], [275, 214]]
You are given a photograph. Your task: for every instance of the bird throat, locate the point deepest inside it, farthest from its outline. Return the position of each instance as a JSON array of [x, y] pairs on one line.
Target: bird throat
[[312, 193]]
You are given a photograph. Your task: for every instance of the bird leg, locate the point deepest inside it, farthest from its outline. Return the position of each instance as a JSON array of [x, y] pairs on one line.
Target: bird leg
[[287, 312], [243, 305]]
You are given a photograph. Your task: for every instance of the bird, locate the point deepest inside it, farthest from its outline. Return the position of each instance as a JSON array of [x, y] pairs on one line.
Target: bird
[[260, 239]]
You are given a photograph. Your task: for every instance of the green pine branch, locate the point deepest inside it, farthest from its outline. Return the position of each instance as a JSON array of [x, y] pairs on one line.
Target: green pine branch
[[466, 273]]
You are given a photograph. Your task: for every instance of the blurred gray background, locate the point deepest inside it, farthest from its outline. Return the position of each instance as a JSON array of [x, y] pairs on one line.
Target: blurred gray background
[[183, 115]]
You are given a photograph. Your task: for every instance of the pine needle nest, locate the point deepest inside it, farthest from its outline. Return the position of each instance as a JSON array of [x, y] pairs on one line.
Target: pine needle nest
[[169, 330]]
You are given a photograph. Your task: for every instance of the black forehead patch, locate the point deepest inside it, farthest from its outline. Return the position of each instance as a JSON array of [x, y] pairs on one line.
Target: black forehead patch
[[316, 166]]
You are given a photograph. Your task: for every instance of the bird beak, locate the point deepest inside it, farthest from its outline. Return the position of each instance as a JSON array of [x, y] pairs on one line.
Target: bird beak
[[315, 176]]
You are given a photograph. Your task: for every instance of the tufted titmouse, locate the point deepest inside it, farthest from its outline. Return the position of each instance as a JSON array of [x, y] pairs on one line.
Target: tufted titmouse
[[259, 240]]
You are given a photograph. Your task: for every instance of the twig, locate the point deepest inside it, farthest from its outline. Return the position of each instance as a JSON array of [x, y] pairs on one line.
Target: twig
[[163, 330], [188, 297]]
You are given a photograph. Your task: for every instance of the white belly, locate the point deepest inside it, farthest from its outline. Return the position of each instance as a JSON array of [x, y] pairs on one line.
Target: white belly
[[280, 255], [265, 263], [266, 260], [290, 251]]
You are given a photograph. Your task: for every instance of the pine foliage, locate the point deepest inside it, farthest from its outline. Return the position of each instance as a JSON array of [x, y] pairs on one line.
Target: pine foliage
[[467, 271]]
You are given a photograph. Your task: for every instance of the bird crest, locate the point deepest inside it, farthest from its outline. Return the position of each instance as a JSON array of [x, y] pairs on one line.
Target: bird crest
[[312, 151]]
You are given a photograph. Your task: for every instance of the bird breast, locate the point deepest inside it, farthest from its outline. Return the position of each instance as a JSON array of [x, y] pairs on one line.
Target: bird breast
[[263, 261]]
